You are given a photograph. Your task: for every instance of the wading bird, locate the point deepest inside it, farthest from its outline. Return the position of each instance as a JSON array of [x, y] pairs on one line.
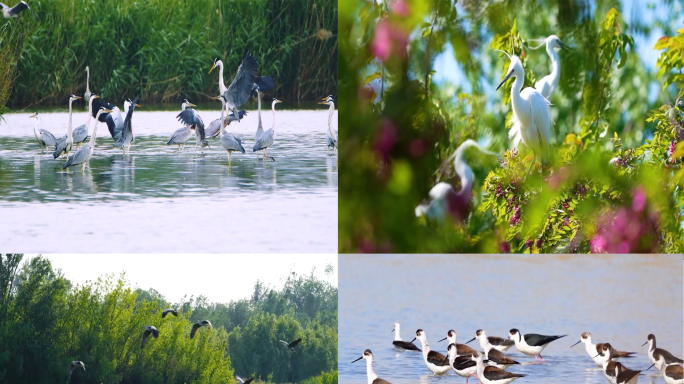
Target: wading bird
[[498, 343], [291, 346], [63, 148], [214, 128], [443, 198], [113, 120], [198, 325], [615, 372], [239, 379], [75, 364], [490, 374], [670, 359], [461, 349], [261, 84], [83, 155], [595, 351], [330, 136], [531, 344], [44, 137], [531, 112], [495, 357], [14, 12], [171, 311], [239, 90], [266, 139], [127, 134], [229, 141], [673, 374], [149, 330], [80, 133], [399, 343], [182, 135], [86, 95], [372, 377], [192, 120], [464, 366], [435, 361]]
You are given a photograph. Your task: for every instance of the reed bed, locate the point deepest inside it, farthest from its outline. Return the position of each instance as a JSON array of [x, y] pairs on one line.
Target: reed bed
[[161, 50]]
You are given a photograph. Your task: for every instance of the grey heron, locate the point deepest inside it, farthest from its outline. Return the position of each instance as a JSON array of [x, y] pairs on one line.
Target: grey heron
[[291, 346], [114, 120], [198, 325], [14, 12], [86, 96], [44, 137], [63, 148], [182, 135], [127, 134], [261, 84], [214, 128], [83, 155], [229, 141], [80, 133], [149, 330], [266, 139], [241, 381], [75, 364], [169, 310], [239, 90], [192, 120], [330, 136]]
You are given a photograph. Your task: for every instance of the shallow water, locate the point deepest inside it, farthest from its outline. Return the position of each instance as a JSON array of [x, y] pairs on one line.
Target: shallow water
[[160, 200], [617, 299]]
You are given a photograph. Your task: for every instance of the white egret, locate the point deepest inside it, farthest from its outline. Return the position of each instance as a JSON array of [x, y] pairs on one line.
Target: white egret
[[83, 155], [532, 113], [330, 135], [229, 141], [443, 198], [63, 147], [548, 84], [266, 139], [44, 137]]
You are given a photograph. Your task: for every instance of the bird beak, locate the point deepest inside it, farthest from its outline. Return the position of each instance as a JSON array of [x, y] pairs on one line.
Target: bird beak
[[565, 46], [217, 98], [324, 98], [414, 339], [356, 360], [471, 340], [596, 356], [278, 101], [138, 105], [107, 110], [644, 343], [504, 80], [78, 97], [576, 343], [442, 340], [191, 105], [212, 68], [96, 96], [649, 367], [392, 328], [322, 102]]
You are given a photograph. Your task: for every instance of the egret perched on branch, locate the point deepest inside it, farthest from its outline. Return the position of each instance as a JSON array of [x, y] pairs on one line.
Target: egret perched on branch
[[192, 120], [84, 154], [44, 137], [330, 136], [266, 139], [443, 198], [548, 84], [229, 142], [80, 133], [532, 112], [14, 12], [239, 90], [63, 147], [127, 134]]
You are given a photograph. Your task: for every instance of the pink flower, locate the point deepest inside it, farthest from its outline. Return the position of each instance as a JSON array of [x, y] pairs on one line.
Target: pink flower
[[385, 139], [671, 149], [387, 40], [639, 200], [400, 8], [598, 244]]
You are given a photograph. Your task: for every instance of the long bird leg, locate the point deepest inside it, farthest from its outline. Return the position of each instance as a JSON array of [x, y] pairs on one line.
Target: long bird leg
[[542, 357], [229, 156], [536, 360], [83, 168], [534, 158], [265, 153]]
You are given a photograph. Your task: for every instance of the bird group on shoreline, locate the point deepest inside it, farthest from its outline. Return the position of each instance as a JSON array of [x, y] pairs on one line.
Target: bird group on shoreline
[[532, 123], [490, 365], [150, 330]]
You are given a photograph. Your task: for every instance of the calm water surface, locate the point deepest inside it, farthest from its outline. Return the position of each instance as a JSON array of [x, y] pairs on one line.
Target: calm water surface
[[159, 200], [618, 299]]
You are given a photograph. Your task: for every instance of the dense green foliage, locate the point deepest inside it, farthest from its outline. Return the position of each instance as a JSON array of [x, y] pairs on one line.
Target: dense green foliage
[[614, 182], [162, 50], [45, 323]]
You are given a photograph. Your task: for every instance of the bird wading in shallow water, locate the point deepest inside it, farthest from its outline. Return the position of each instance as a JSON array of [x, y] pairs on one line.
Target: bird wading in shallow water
[[266, 139], [229, 141], [127, 134], [182, 135], [330, 136], [44, 137], [372, 377], [83, 155], [531, 344], [240, 89], [63, 148]]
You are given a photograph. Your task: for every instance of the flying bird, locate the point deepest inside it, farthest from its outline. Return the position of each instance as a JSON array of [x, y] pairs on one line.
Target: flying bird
[[169, 310], [291, 346], [198, 325], [240, 89], [149, 330], [239, 379], [75, 364], [14, 12]]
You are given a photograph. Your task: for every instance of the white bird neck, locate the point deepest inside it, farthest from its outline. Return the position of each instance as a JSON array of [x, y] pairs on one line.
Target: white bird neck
[[426, 348], [369, 370], [590, 347], [651, 346], [330, 115], [69, 135], [92, 137], [607, 359], [90, 111], [183, 106], [273, 110], [222, 86], [555, 65], [480, 366], [223, 116], [516, 99], [397, 336], [35, 127], [451, 339], [259, 102], [87, 80], [484, 343]]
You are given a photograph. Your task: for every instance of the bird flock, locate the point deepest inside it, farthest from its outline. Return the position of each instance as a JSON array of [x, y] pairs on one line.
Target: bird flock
[[490, 365], [532, 123], [245, 85], [150, 330]]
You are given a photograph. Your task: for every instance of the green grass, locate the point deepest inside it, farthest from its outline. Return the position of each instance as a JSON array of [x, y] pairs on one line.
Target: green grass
[[162, 50]]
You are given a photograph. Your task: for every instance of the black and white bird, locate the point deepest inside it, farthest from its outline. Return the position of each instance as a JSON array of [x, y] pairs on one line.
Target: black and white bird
[[673, 374], [498, 343], [492, 375], [75, 364], [114, 120], [495, 357], [291, 346], [14, 12], [149, 330], [192, 120], [169, 310], [198, 325], [44, 137], [241, 381], [84, 154], [399, 343], [531, 344], [240, 89], [127, 134], [625, 375], [230, 142], [214, 128], [464, 366], [64, 147], [435, 361], [652, 351], [182, 135], [595, 351], [80, 133], [461, 349], [613, 369], [372, 376]]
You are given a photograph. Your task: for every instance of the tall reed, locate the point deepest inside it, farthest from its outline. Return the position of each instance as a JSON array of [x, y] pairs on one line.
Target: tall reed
[[161, 50]]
